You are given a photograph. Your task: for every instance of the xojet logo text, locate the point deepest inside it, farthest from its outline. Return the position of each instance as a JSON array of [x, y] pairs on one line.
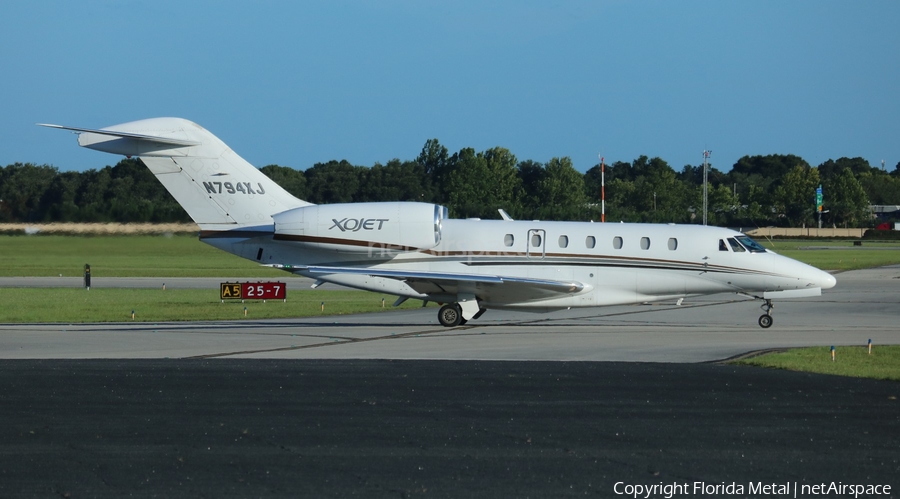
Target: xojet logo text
[[356, 224]]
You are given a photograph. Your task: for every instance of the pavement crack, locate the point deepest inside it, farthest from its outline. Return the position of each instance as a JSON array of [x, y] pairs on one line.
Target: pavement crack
[[344, 341]]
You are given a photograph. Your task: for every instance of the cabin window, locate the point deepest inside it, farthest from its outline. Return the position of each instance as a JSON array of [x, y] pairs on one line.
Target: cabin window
[[590, 241], [563, 241], [617, 242], [673, 243], [645, 243], [508, 240], [536, 240], [722, 246], [735, 246]]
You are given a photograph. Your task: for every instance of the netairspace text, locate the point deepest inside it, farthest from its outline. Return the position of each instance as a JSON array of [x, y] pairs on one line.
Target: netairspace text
[[785, 489]]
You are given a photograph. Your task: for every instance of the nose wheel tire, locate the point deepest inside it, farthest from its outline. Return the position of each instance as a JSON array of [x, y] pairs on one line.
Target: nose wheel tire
[[450, 315], [766, 320]]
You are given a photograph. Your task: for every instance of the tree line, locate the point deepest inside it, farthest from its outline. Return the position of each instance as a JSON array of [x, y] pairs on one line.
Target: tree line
[[758, 191]]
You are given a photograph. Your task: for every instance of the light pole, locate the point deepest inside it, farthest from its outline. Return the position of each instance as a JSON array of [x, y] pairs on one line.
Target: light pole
[[819, 203], [602, 190], [705, 157]]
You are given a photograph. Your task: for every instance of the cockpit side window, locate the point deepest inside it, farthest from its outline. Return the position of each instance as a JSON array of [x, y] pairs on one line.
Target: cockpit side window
[[722, 246], [750, 244], [735, 246]]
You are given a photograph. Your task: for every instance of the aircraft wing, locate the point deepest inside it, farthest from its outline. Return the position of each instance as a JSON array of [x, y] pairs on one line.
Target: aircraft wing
[[495, 288]]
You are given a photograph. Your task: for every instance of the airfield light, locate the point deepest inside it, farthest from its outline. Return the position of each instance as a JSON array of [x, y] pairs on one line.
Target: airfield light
[[832, 353], [870, 346]]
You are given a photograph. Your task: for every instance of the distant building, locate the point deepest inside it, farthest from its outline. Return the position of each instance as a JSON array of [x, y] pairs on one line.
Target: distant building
[[885, 211]]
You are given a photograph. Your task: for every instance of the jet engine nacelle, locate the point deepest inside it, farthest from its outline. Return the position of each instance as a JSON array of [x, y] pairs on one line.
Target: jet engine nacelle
[[379, 229]]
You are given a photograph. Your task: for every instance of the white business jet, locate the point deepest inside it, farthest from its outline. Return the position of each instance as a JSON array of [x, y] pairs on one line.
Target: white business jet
[[414, 250]]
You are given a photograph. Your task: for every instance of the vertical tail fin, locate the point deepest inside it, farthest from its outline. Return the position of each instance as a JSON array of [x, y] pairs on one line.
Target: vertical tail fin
[[217, 188]]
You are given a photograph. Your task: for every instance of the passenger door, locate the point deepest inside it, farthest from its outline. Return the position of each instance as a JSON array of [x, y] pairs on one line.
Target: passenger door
[[535, 244]]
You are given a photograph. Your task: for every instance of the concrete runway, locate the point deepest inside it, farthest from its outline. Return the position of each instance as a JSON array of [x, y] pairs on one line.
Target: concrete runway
[[864, 305]]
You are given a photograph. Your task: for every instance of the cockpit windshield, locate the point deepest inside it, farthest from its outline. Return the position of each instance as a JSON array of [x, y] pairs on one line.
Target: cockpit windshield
[[750, 244], [735, 246]]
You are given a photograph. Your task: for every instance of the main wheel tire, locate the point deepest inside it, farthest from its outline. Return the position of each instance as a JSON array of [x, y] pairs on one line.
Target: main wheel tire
[[765, 321], [450, 315]]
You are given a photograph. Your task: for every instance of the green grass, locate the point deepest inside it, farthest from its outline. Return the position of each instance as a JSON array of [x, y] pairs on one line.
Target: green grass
[[68, 305], [778, 244], [844, 259], [122, 256], [854, 361], [872, 254]]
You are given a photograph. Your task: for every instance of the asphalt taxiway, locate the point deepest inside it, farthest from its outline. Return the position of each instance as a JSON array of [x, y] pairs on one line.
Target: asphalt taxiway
[[370, 428]]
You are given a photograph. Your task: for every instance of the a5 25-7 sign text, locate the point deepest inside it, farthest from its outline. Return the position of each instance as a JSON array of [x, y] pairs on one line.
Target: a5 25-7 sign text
[[253, 291]]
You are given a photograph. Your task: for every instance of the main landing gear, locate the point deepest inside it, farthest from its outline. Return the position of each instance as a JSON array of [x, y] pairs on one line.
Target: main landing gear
[[765, 320], [451, 315]]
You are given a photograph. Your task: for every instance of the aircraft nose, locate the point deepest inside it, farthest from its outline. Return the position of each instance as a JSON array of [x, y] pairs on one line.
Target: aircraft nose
[[827, 281], [813, 277]]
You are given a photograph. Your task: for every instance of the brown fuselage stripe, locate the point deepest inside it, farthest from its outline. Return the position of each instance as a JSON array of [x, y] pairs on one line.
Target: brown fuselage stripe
[[342, 242]]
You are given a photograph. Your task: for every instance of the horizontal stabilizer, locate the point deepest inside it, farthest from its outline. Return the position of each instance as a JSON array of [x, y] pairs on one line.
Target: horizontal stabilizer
[[128, 135]]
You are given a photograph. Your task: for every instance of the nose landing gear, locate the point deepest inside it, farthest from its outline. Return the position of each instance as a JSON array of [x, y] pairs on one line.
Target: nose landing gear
[[766, 320]]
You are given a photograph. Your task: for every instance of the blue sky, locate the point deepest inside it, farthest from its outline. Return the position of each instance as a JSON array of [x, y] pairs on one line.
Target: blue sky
[[295, 83]]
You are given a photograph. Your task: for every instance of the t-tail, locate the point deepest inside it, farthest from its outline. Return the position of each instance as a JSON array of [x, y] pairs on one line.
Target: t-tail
[[218, 189]]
